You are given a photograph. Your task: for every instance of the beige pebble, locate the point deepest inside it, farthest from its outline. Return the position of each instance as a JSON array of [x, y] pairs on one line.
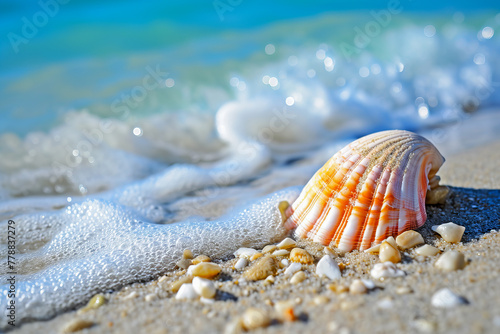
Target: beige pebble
[[409, 239], [281, 252], [403, 290], [241, 263], [262, 268], [131, 295], [77, 325], [285, 310], [95, 302], [269, 249], [175, 286], [183, 263], [392, 241], [163, 278], [287, 243], [389, 253], [451, 260], [450, 232], [427, 250], [301, 255], [373, 250], [187, 254], [205, 270], [270, 279], [254, 318], [338, 288], [200, 259], [298, 277], [320, 300], [204, 287], [357, 287], [256, 256]]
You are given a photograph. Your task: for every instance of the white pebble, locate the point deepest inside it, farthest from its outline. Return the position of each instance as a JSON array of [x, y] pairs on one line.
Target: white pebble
[[287, 243], [450, 232], [186, 291], [293, 268], [357, 287], [427, 250], [241, 263], [281, 252], [328, 267], [445, 298], [245, 252], [285, 262], [370, 285], [204, 287], [386, 270], [451, 260], [385, 303]]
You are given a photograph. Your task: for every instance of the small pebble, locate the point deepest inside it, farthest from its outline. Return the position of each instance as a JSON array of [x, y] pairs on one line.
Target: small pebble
[[338, 288], [245, 252], [301, 255], [131, 295], [205, 270], [370, 285], [445, 298], [270, 279], [269, 249], [254, 318], [95, 302], [427, 250], [357, 287], [200, 259], [285, 263], [281, 252], [298, 277], [373, 250], [385, 303], [320, 300], [150, 297], [262, 268], [175, 286], [285, 310], [241, 263], [386, 270], [187, 254], [437, 195], [287, 243], [204, 287], [77, 325], [293, 268], [256, 256], [186, 291], [403, 290], [409, 239], [388, 252], [183, 263], [450, 232], [328, 267], [451, 260]]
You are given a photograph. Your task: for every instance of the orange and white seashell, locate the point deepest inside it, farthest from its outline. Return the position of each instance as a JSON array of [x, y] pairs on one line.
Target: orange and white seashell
[[373, 188]]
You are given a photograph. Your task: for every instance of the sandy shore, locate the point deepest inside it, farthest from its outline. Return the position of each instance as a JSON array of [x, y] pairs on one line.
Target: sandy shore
[[397, 305]]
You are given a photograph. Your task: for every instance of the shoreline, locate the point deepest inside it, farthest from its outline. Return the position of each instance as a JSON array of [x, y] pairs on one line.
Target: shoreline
[[473, 204]]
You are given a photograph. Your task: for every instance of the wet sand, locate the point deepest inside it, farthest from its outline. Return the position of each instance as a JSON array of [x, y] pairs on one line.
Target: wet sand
[[397, 305]]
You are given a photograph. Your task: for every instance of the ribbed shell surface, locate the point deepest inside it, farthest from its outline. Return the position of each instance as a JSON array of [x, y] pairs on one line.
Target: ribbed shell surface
[[373, 188]]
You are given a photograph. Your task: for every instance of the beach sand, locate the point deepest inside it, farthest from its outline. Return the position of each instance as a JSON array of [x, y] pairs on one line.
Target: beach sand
[[397, 305]]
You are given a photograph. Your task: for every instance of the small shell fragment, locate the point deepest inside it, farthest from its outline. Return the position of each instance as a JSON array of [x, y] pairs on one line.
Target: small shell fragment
[[328, 267], [451, 260], [301, 255], [262, 268], [245, 252], [386, 270], [254, 318], [357, 287], [450, 232], [287, 243], [427, 250], [298, 277], [409, 239], [204, 287], [241, 263], [293, 268], [200, 259], [77, 325], [205, 270], [445, 298], [269, 249], [175, 286], [186, 291], [388, 252], [281, 252]]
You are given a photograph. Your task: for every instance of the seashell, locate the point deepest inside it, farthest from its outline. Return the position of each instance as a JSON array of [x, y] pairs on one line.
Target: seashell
[[373, 188]]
